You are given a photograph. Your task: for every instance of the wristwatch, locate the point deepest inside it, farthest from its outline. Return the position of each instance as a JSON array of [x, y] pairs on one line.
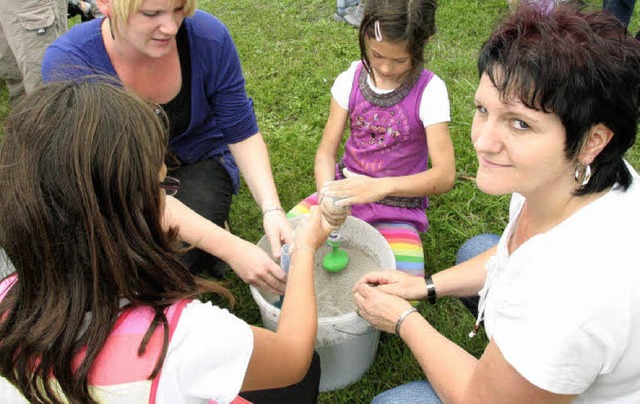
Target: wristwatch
[[431, 290]]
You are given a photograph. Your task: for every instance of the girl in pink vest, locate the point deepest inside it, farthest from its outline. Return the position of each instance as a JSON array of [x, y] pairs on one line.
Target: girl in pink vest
[[99, 307], [399, 150]]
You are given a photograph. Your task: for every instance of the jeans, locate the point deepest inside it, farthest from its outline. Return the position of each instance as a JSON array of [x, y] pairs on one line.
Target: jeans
[[623, 9], [475, 246], [420, 391]]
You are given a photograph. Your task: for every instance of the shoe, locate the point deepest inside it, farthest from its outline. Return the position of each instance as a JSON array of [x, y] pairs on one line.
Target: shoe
[[338, 18], [354, 15]]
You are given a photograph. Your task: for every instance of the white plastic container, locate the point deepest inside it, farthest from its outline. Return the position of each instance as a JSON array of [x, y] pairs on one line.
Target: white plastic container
[[347, 344]]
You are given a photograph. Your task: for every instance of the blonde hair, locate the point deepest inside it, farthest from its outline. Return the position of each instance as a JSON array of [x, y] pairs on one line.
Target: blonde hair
[[121, 10]]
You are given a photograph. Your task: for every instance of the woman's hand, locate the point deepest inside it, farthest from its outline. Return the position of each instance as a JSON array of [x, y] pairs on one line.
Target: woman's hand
[[255, 267], [252, 264], [355, 189], [397, 283], [381, 309], [278, 230], [314, 231]]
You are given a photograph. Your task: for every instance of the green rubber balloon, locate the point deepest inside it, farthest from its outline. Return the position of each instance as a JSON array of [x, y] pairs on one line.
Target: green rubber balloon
[[336, 260]]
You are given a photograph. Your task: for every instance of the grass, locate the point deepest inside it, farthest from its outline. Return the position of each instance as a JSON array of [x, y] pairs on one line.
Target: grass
[[291, 51]]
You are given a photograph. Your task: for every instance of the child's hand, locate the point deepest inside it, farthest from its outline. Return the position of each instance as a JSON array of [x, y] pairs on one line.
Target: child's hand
[[314, 232], [335, 215], [356, 189]]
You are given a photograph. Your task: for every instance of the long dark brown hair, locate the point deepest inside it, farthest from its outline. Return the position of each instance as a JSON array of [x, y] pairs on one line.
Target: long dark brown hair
[[81, 221]]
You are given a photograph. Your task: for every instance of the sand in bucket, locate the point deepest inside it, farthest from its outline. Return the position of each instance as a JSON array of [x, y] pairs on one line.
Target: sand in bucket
[[347, 344], [333, 289]]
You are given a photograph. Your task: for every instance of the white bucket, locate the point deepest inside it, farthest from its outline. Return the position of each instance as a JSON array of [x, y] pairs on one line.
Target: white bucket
[[347, 344]]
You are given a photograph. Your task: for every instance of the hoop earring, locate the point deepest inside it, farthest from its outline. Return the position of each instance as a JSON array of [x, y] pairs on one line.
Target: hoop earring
[[586, 175], [111, 29]]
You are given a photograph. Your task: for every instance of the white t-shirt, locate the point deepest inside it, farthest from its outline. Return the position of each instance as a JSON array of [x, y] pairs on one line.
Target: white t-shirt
[[207, 359], [434, 105], [564, 308]]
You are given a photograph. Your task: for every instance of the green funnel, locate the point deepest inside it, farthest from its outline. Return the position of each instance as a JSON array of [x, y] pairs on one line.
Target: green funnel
[[335, 260]]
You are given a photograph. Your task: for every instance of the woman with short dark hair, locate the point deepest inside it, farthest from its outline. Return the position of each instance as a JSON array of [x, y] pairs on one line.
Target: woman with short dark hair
[[556, 110]]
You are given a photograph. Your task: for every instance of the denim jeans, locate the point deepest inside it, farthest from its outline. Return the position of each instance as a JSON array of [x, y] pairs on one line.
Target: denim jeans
[[475, 246], [343, 5], [623, 9], [418, 392]]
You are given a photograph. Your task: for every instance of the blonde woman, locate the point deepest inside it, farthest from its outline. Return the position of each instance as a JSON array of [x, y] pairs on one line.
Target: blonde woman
[[184, 60]]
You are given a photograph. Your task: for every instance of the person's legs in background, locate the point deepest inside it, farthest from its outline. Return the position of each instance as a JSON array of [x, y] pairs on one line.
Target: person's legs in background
[[475, 246], [9, 71], [342, 6], [622, 9], [27, 28]]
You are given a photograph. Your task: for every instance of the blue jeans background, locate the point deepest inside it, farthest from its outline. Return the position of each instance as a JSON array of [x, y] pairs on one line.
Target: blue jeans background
[[623, 9], [420, 391]]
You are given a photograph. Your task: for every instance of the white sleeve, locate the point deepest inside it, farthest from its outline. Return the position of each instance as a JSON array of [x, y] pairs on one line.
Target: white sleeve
[[207, 357], [434, 106], [341, 90]]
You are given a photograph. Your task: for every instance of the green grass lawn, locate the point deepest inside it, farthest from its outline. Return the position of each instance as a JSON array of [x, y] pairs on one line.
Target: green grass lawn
[[291, 52]]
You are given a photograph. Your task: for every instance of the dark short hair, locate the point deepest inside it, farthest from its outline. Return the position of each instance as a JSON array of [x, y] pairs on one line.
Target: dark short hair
[[582, 66], [410, 21]]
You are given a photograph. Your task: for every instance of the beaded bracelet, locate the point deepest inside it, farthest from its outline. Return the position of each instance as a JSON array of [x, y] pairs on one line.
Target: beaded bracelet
[[274, 209], [402, 317]]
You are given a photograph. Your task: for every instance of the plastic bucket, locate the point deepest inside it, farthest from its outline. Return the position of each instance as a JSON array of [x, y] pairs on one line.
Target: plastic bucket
[[346, 344]]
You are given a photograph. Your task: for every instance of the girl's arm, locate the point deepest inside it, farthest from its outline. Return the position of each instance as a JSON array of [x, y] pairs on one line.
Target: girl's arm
[[325, 163], [293, 342]]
